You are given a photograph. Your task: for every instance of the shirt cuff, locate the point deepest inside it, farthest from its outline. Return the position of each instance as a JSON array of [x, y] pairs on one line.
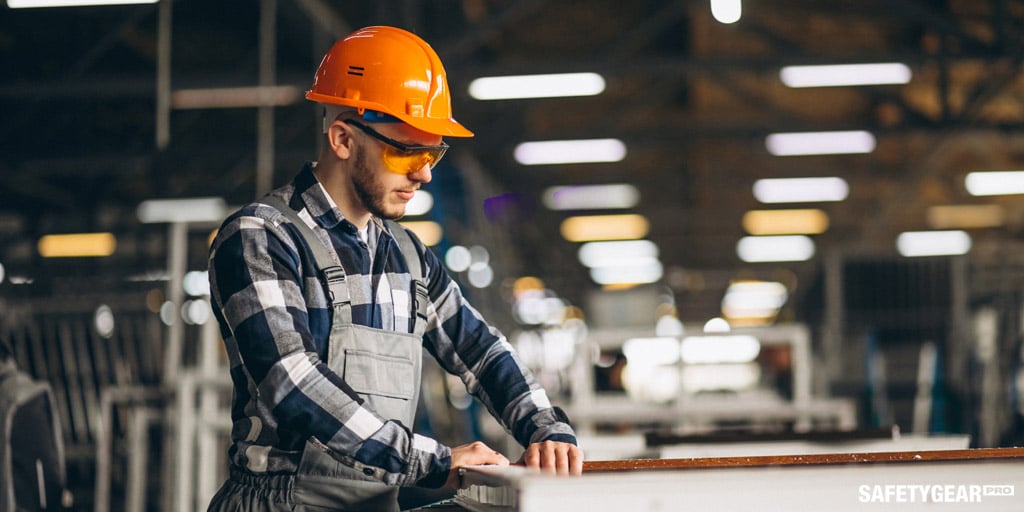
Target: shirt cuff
[[438, 475], [555, 428], [432, 464]]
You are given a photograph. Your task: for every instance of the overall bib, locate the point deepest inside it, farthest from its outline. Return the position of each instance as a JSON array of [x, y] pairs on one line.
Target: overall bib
[[383, 367]]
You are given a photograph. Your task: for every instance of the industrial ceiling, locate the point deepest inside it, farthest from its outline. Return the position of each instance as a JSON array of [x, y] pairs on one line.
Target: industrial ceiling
[[94, 120]]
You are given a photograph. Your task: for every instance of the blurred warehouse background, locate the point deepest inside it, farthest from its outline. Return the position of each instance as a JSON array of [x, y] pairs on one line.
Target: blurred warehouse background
[[771, 215]]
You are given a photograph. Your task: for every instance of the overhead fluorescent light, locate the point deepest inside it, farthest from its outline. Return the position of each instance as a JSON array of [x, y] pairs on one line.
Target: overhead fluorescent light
[[820, 143], [643, 273], [198, 209], [964, 216], [753, 300], [755, 249], [728, 349], [755, 295], [77, 245], [995, 183], [570, 151], [726, 11], [800, 190], [837, 75], [236, 97], [591, 197], [24, 4], [605, 227], [651, 351], [557, 85], [804, 221], [621, 252], [428, 231], [933, 243]]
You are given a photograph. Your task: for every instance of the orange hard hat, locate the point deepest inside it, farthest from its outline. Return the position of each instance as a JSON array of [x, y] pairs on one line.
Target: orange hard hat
[[388, 70]]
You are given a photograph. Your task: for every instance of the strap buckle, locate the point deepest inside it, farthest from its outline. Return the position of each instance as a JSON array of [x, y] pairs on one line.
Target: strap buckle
[[334, 283], [421, 299]]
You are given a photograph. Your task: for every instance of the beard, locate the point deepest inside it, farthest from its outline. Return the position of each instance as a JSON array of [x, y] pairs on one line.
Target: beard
[[371, 192]]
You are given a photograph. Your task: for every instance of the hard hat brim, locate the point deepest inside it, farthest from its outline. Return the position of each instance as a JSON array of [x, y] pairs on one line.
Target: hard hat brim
[[442, 127], [445, 127]]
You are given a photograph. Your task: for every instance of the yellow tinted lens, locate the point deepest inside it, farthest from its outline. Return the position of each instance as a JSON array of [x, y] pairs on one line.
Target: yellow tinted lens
[[405, 162]]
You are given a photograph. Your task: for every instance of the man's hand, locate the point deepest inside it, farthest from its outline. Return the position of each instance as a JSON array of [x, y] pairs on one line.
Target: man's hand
[[472, 454], [554, 458]]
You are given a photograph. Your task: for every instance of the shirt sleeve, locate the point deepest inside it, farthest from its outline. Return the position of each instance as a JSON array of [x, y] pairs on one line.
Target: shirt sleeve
[[467, 346], [263, 300]]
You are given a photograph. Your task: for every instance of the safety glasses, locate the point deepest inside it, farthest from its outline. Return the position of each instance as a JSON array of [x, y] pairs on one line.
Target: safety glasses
[[402, 158]]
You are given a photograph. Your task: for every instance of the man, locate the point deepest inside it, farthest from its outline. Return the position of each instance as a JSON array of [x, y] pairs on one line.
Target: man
[[325, 344]]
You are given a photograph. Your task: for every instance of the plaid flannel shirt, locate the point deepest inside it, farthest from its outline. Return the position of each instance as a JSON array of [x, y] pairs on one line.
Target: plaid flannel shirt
[[275, 321]]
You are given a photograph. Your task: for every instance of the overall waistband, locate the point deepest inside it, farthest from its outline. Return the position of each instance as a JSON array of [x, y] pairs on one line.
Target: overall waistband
[[277, 482]]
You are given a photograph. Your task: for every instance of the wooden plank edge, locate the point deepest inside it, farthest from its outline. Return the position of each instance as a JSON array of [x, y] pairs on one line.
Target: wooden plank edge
[[975, 454]]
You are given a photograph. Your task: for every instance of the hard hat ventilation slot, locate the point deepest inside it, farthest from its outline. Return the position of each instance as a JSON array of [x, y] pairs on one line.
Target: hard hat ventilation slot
[[356, 70]]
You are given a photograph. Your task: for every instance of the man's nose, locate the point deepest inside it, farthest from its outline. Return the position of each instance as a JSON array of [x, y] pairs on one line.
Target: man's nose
[[421, 175]]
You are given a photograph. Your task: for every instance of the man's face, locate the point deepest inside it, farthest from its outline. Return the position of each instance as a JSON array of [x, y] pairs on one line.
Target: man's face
[[382, 192]]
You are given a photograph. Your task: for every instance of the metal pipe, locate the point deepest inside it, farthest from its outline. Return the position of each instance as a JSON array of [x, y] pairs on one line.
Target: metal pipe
[[186, 427], [265, 120], [138, 457], [832, 335], [163, 76], [177, 250], [185, 415], [104, 441], [209, 369], [177, 240]]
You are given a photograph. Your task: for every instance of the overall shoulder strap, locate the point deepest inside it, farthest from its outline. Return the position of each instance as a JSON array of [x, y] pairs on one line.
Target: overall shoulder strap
[[332, 275], [408, 248], [416, 272]]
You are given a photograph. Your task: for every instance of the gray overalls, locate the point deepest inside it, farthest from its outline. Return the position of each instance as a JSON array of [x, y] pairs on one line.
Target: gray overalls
[[383, 367]]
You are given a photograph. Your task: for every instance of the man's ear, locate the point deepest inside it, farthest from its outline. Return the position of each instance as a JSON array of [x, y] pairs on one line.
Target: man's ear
[[339, 139]]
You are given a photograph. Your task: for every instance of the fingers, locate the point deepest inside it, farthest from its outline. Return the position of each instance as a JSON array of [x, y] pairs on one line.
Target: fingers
[[472, 454], [476, 454], [575, 460], [549, 457], [554, 458], [549, 462]]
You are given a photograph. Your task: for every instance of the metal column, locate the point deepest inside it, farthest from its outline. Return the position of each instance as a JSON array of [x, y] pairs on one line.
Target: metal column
[[265, 120], [163, 77]]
